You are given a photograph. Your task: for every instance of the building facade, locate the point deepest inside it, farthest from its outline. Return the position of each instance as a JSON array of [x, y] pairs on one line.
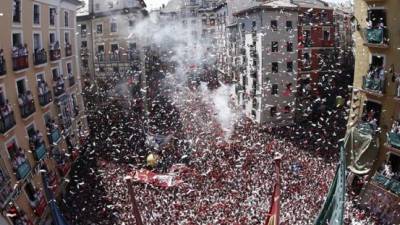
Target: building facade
[[268, 42], [42, 112], [375, 101]]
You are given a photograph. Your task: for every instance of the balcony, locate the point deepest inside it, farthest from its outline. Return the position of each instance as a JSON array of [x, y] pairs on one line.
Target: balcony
[[376, 37], [26, 105], [39, 205], [20, 58], [71, 80], [68, 50], [3, 69], [7, 121], [389, 184], [59, 87], [64, 168], [84, 52], [39, 57], [5, 191], [133, 55], [23, 169], [100, 57], [45, 99], [373, 85], [55, 54], [115, 57], [54, 135], [39, 151]]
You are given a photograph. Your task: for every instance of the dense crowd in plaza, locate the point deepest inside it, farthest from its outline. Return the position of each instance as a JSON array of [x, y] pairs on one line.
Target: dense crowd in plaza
[[230, 178]]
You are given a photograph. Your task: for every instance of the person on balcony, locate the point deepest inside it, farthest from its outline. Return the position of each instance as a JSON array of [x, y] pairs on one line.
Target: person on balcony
[[21, 103]]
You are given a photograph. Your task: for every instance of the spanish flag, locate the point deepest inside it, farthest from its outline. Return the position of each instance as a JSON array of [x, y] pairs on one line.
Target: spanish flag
[[273, 214]]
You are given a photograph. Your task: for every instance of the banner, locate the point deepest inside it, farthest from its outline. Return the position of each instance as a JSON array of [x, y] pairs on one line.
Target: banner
[[158, 180], [333, 210], [273, 214], [362, 148]]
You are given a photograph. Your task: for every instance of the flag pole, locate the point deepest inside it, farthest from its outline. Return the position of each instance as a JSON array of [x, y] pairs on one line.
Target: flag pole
[[135, 208]]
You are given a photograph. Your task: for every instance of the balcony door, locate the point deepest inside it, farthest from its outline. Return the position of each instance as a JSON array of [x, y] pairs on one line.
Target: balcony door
[[21, 86], [37, 42]]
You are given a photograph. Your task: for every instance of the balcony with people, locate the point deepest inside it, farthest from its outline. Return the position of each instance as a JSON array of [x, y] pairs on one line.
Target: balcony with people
[[3, 69], [16, 215], [53, 132], [62, 160], [376, 32], [5, 188], [71, 80], [68, 49], [374, 81], [59, 85], [26, 104], [39, 57], [55, 51], [388, 176], [7, 119], [36, 199], [19, 161], [20, 57], [44, 93], [37, 145]]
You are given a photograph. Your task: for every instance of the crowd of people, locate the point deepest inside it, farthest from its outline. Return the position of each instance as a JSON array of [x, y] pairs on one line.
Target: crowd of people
[[230, 179]]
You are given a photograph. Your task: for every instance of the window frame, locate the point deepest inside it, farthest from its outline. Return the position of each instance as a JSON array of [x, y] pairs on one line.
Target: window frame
[[39, 14]]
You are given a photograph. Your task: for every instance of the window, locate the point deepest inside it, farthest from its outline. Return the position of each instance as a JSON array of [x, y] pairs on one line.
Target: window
[[55, 73], [132, 45], [274, 90], [289, 66], [52, 16], [66, 19], [254, 24], [83, 29], [30, 192], [272, 111], [84, 44], [100, 48], [99, 28], [212, 22], [289, 47], [52, 37], [110, 5], [131, 23], [326, 34], [21, 86], [289, 25], [114, 47], [66, 38], [69, 68], [17, 39], [113, 26], [274, 67], [37, 45], [97, 6], [36, 14], [16, 13], [274, 25], [274, 46]]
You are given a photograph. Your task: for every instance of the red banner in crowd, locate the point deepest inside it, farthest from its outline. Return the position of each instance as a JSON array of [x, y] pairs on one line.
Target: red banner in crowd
[[159, 180], [273, 214]]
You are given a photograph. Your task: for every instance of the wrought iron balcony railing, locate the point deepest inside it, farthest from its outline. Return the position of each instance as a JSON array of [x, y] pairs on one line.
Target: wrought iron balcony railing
[[59, 89], [373, 84], [55, 54], [27, 108], [40, 57], [7, 122], [23, 170], [376, 37], [45, 98], [389, 184], [20, 59]]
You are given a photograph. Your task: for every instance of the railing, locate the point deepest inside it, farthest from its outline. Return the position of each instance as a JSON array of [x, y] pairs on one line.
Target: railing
[[84, 52], [27, 108], [7, 122], [55, 54], [393, 139], [68, 50], [45, 98], [373, 84], [376, 36], [23, 170], [59, 89], [389, 184], [3, 69], [5, 192], [71, 80], [20, 59], [40, 57], [40, 152], [41, 205], [54, 136]]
